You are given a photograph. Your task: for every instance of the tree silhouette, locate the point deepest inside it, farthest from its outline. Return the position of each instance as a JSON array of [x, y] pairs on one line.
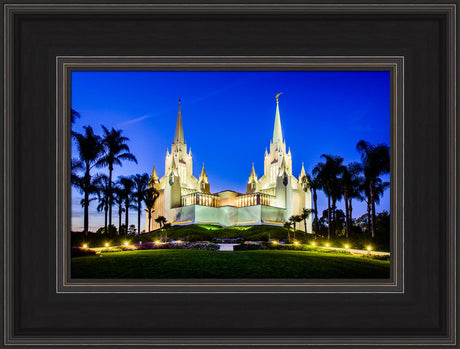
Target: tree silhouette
[[376, 162], [140, 185], [89, 148], [116, 150], [150, 197]]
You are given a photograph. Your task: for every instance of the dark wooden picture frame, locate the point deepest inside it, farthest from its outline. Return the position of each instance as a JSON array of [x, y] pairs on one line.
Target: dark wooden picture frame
[[42, 306]]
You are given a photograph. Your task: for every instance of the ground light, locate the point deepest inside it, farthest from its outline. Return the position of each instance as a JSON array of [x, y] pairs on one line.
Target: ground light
[[126, 243], [85, 246], [106, 245], [327, 245], [369, 248], [296, 242], [157, 241], [313, 244], [346, 247], [275, 242]]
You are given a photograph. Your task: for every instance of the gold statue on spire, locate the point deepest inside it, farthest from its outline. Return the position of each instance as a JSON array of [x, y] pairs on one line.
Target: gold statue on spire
[[278, 96]]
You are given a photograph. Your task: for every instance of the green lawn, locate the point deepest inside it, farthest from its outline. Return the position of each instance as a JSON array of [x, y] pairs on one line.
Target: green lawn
[[180, 264]]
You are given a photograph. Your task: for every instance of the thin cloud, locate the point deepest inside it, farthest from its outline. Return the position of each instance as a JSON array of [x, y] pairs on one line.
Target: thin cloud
[[132, 121]]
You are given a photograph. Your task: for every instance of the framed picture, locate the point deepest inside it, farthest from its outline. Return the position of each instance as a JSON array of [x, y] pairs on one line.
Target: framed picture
[[62, 64]]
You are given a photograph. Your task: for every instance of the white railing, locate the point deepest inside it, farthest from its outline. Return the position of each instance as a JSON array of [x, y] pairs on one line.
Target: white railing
[[214, 200], [200, 199]]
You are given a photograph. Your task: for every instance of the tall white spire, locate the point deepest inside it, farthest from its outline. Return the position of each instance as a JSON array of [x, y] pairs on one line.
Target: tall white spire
[[179, 136], [277, 133], [203, 176], [253, 175]]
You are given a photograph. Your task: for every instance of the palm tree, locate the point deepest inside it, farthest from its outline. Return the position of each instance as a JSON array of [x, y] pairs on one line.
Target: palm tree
[[295, 219], [349, 175], [287, 225], [116, 150], [74, 115], [127, 186], [167, 226], [104, 193], [140, 185], [89, 149], [376, 162], [327, 174], [150, 197], [314, 184], [161, 220], [306, 212], [364, 195], [354, 193], [119, 200]]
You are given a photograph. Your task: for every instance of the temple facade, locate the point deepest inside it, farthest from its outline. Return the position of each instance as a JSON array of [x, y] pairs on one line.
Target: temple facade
[[270, 199]]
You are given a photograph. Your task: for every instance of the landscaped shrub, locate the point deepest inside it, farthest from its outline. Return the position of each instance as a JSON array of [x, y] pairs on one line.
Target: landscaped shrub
[[80, 251], [200, 246]]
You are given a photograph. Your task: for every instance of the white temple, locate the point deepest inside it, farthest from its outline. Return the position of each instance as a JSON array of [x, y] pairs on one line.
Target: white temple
[[270, 199]]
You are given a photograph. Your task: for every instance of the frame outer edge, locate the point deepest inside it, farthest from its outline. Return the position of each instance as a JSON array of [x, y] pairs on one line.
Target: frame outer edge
[[9, 152]]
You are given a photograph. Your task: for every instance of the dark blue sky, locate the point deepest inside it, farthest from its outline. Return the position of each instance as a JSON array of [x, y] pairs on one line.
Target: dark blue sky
[[228, 120]]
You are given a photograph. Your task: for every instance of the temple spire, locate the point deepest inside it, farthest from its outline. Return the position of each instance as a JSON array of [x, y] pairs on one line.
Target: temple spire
[[302, 172], [154, 176], [277, 133], [253, 175], [154, 173], [203, 176], [179, 136]]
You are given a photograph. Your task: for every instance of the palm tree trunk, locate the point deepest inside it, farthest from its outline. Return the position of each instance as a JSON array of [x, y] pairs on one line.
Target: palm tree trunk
[[305, 223], [110, 195], [334, 207], [126, 219], [368, 215], [350, 209], [139, 216], [120, 210], [315, 204], [328, 217], [289, 235], [150, 218], [105, 219], [86, 209], [347, 217], [86, 214], [371, 192]]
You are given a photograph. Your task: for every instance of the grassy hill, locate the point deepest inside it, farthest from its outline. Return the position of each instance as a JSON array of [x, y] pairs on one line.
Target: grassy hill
[[160, 264]]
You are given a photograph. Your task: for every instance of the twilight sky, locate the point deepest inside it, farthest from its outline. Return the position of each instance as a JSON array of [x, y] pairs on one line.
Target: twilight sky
[[228, 120]]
